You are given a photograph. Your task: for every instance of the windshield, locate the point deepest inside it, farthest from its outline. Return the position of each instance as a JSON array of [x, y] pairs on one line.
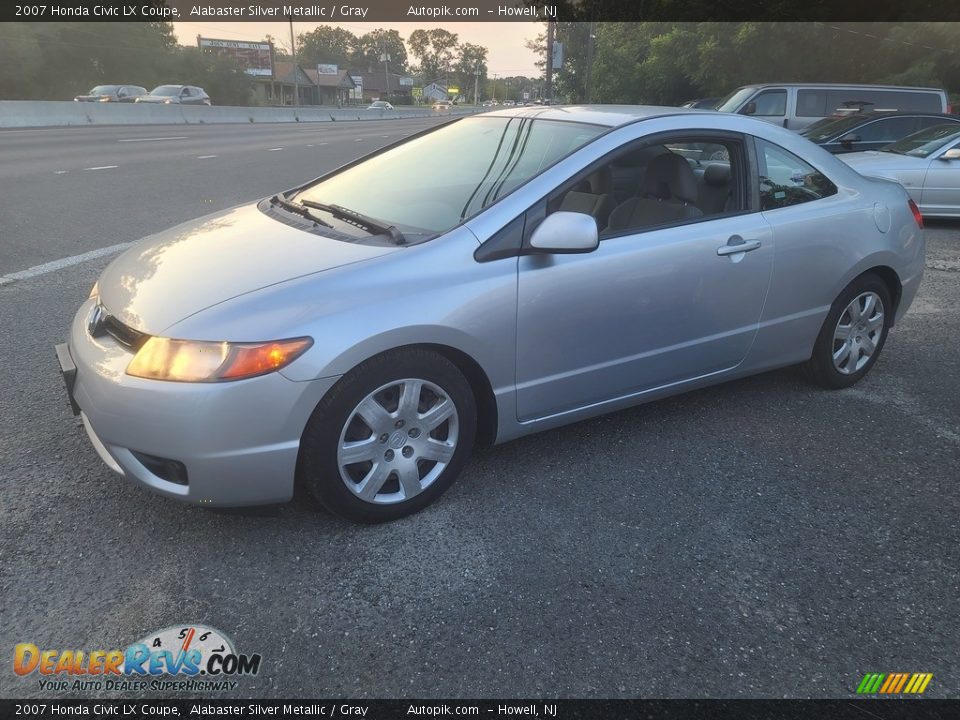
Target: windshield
[[829, 127], [166, 90], [733, 101], [103, 90], [925, 142], [433, 182], [379, 103]]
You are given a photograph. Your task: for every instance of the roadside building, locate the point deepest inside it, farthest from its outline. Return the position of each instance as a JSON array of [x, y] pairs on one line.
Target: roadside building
[[400, 90], [333, 88], [281, 88], [435, 91]]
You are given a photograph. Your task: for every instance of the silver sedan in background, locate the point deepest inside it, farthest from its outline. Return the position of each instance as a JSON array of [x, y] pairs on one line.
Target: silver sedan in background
[[926, 163], [361, 332]]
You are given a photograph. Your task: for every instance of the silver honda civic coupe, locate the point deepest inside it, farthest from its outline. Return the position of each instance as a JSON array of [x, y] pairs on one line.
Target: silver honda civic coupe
[[495, 276]]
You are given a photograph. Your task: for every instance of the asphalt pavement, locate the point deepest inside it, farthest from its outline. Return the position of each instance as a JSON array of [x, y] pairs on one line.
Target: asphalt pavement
[[763, 538]]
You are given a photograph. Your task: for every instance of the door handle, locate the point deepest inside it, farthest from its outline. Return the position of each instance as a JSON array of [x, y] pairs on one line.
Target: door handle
[[737, 244]]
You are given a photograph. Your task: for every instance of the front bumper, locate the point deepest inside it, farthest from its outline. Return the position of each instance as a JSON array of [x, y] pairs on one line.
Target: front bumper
[[237, 440]]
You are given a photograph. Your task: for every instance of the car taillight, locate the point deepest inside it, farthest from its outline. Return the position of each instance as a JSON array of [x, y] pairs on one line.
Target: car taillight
[[916, 213]]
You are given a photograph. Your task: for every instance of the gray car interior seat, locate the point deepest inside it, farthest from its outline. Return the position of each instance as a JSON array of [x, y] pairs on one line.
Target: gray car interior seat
[[715, 190], [593, 196], [669, 194]]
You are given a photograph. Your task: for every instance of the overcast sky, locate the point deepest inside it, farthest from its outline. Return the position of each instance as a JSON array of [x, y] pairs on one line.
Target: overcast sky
[[505, 41]]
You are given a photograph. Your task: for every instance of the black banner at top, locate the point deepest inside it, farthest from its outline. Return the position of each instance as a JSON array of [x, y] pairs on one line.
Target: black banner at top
[[46, 709], [385, 11]]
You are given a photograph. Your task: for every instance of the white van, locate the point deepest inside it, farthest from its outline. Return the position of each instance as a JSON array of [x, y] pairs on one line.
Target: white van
[[796, 105]]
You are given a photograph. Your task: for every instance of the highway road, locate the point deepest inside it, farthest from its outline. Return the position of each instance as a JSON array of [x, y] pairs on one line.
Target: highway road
[[759, 539]]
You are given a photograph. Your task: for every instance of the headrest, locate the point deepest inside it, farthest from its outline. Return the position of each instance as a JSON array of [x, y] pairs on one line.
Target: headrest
[[601, 182], [670, 177], [717, 175]]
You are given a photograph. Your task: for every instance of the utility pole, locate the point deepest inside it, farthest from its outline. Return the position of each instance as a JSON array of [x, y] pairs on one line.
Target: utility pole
[[386, 71], [590, 61], [476, 85], [548, 85], [296, 77]]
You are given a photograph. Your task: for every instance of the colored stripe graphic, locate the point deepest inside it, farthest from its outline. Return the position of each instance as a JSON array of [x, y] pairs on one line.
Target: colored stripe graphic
[[894, 683]]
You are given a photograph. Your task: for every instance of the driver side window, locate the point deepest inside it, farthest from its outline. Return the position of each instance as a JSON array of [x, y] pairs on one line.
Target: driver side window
[[678, 179]]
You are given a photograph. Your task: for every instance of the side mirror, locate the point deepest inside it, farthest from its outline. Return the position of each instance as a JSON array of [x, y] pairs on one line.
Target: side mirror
[[849, 139], [749, 109], [566, 232], [951, 154]]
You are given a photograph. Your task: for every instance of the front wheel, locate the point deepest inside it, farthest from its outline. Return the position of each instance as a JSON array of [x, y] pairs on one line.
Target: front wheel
[[853, 334], [390, 437]]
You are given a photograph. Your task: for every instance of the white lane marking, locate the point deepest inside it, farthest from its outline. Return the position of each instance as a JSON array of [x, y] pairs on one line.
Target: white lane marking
[[177, 137], [274, 149], [309, 145], [103, 167], [383, 136], [358, 140], [319, 144], [60, 172], [205, 157], [62, 263]]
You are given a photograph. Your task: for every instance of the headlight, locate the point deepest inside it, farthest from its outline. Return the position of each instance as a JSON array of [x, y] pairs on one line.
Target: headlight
[[95, 290], [196, 361], [105, 98], [167, 102]]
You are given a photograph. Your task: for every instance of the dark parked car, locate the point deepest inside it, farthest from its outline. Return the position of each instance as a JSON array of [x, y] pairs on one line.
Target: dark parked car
[[112, 93], [176, 95], [871, 130], [704, 104]]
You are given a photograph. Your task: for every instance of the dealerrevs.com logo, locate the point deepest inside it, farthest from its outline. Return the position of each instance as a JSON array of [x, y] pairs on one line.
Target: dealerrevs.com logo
[[180, 658]]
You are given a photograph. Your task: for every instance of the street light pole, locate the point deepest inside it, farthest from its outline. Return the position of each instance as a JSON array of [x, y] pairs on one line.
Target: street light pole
[[386, 71], [296, 77], [476, 84]]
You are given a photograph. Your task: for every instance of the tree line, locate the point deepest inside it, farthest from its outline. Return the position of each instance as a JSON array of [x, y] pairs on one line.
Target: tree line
[[56, 61], [668, 63]]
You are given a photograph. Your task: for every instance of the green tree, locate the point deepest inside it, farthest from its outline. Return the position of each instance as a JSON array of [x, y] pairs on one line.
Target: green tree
[[435, 51], [326, 45], [471, 68], [368, 50]]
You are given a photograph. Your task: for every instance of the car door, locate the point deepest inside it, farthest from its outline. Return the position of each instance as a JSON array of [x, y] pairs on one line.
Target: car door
[[941, 186], [651, 307], [770, 104], [186, 96]]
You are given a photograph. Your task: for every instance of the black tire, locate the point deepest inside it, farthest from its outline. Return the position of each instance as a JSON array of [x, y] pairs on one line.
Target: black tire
[[820, 367], [318, 469]]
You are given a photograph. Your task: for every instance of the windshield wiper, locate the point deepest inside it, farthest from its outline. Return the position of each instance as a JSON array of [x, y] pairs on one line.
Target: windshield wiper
[[355, 218], [299, 210]]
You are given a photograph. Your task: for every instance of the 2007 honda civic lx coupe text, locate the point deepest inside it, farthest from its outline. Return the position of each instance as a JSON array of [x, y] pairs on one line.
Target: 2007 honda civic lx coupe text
[[358, 334]]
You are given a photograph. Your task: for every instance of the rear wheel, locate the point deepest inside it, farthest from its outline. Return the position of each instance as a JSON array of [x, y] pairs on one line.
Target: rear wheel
[[852, 335], [390, 437]]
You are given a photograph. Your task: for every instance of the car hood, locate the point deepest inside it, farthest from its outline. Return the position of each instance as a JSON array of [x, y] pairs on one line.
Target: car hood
[[157, 98], [874, 161], [167, 277]]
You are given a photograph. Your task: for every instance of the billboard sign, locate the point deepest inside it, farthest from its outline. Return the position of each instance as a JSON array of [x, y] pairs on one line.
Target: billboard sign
[[327, 69], [256, 58], [357, 92]]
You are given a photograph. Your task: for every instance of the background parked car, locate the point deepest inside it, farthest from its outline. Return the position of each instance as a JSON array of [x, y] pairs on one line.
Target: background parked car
[[442, 105], [795, 105], [704, 104], [926, 163], [871, 130], [177, 95], [112, 93], [380, 105]]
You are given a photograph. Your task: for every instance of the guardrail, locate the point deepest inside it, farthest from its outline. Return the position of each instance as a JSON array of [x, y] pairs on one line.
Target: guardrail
[[51, 113]]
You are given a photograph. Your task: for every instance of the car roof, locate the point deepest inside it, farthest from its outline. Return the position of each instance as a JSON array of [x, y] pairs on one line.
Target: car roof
[[839, 85], [875, 114], [609, 115]]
